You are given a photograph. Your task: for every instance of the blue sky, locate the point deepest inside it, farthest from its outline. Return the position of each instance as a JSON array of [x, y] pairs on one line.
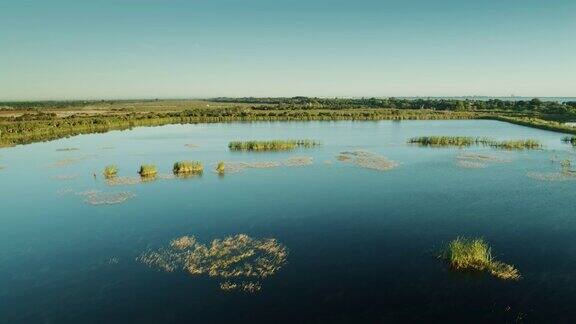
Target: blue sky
[[202, 48]]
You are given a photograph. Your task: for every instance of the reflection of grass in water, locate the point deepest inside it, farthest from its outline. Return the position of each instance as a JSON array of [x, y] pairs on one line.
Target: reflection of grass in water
[[240, 261], [367, 160], [123, 181], [95, 197], [191, 145], [569, 140], [66, 149], [465, 254]]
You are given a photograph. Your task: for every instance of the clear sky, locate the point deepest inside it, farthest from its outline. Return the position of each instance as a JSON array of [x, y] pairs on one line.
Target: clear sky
[[57, 49]]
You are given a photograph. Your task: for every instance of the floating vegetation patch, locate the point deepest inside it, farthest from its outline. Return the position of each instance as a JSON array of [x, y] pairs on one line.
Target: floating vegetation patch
[[123, 181], [96, 197], [187, 168], [298, 161], [69, 161], [191, 145], [235, 167], [566, 172], [107, 147], [66, 149], [367, 160], [239, 261], [64, 191], [272, 145], [110, 171], [465, 254], [476, 161], [65, 177], [464, 141]]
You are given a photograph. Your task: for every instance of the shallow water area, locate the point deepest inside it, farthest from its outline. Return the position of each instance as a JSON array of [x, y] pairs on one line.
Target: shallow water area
[[361, 242]]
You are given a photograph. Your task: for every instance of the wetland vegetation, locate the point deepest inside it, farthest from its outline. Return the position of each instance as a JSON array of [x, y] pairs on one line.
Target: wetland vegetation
[[271, 145], [148, 171], [238, 261], [110, 171], [463, 141], [27, 122], [187, 167], [465, 254]]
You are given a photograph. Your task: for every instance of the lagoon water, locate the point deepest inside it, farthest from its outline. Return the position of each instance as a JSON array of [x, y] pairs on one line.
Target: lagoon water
[[362, 243]]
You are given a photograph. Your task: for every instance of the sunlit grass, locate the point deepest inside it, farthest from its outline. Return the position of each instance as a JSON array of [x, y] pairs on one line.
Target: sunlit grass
[[464, 254], [523, 144], [110, 171], [464, 141]]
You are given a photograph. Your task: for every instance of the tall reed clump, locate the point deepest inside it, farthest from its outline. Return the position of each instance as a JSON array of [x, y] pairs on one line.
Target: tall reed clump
[[272, 145], [449, 141], [569, 139], [110, 171], [187, 167], [221, 167], [148, 171], [464, 254]]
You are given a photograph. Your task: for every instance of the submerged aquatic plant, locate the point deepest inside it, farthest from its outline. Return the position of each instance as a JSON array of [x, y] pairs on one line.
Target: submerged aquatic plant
[[96, 197], [464, 254], [271, 145], [475, 161], [187, 167], [148, 171], [239, 260], [110, 171], [367, 160]]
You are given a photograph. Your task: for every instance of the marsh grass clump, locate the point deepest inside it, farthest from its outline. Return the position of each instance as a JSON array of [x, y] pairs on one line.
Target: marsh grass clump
[[110, 171], [523, 144], [465, 254], [187, 168], [271, 145], [458, 141], [239, 261], [569, 140], [148, 171], [221, 168]]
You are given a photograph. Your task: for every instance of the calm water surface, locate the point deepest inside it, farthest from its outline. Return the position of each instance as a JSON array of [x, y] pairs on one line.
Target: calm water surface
[[362, 243]]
